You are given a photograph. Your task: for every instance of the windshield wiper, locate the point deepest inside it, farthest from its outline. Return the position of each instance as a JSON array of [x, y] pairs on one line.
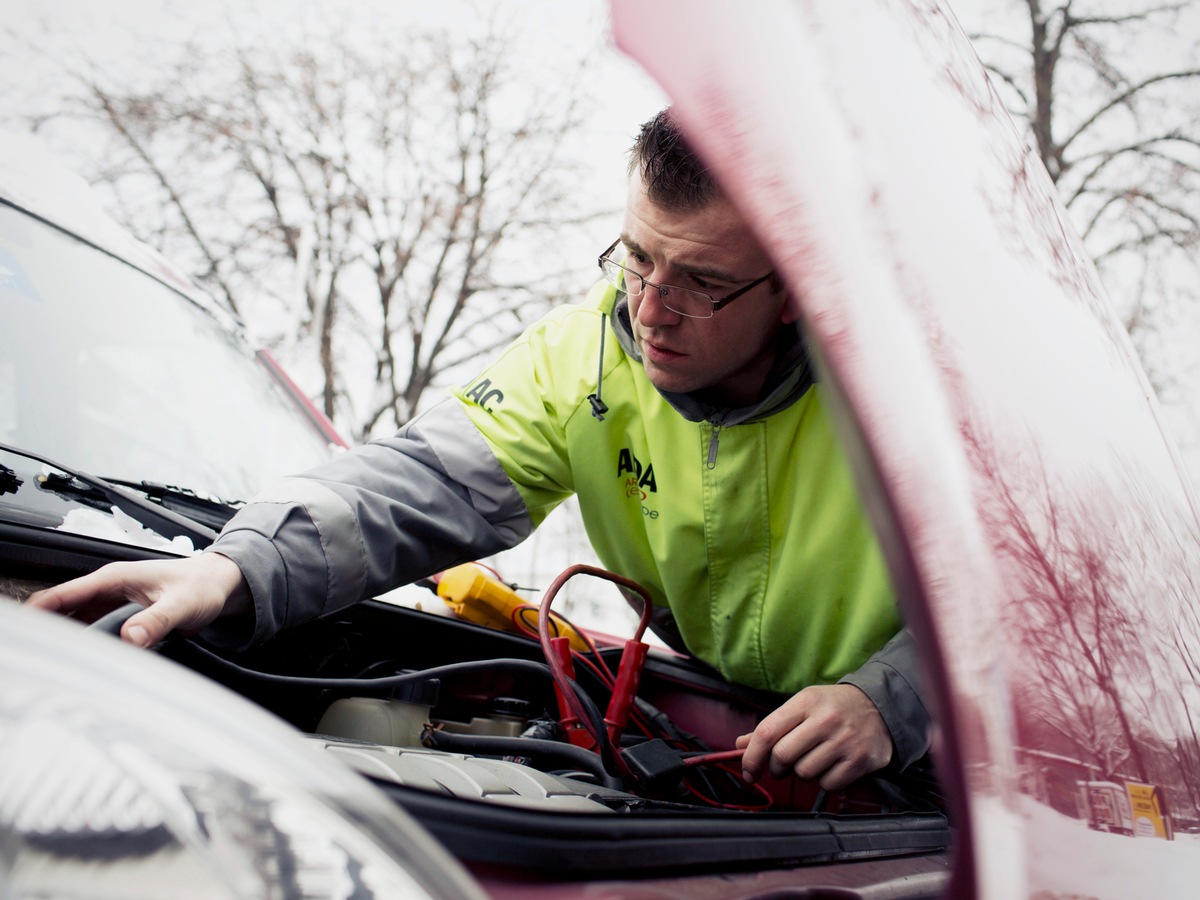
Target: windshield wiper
[[77, 488], [185, 501], [98, 493], [9, 482]]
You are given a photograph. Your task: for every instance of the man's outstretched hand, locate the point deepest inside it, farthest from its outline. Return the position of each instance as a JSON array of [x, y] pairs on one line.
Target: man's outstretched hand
[[831, 734], [185, 594]]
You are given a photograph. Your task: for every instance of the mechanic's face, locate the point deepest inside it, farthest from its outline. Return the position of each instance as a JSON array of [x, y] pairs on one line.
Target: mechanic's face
[[727, 357]]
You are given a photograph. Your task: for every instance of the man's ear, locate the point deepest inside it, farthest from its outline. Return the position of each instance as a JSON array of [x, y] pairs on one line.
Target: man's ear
[[790, 311]]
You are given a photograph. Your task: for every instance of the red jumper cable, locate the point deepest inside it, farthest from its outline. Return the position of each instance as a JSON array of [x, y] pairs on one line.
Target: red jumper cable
[[629, 672]]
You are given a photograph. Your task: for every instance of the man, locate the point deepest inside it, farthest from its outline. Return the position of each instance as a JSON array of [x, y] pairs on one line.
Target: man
[[678, 403]]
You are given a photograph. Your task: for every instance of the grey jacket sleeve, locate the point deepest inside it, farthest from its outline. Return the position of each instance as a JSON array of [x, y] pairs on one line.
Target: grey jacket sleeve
[[381, 515], [891, 680]]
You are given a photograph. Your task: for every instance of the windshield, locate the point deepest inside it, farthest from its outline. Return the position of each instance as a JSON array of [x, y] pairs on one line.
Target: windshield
[[109, 371]]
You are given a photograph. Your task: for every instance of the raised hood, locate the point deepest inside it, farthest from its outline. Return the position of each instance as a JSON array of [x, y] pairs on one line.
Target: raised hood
[[1039, 526]]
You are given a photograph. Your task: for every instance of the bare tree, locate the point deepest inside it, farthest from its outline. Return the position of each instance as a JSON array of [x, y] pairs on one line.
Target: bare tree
[[1110, 92], [387, 207]]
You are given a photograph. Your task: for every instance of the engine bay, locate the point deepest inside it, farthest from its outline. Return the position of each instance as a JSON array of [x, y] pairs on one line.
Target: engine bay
[[525, 744], [514, 760]]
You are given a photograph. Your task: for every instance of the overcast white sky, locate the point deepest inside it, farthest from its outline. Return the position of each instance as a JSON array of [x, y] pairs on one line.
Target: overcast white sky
[[124, 33]]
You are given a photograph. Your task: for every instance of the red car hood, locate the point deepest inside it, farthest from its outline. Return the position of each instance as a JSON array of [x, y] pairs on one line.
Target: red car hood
[[1042, 535]]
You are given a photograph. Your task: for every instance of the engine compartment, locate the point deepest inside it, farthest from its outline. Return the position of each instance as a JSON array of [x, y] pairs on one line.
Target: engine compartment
[[461, 724]]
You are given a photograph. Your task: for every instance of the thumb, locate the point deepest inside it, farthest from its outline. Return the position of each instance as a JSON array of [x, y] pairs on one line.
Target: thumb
[[148, 627]]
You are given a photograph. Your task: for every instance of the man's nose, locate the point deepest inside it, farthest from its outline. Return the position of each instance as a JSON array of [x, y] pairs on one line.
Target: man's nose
[[652, 311]]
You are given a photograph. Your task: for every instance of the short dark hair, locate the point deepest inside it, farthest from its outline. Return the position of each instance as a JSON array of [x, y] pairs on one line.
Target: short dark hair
[[675, 177]]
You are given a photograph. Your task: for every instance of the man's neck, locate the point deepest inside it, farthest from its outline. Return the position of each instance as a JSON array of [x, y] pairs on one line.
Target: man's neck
[[749, 386]]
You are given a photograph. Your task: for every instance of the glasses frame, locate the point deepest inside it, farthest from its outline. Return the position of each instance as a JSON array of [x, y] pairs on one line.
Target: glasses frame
[[664, 290]]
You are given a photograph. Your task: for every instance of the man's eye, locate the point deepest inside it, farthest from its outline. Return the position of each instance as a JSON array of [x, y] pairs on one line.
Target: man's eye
[[709, 286]]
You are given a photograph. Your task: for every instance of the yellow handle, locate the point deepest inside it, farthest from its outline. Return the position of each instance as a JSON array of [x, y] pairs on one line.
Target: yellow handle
[[478, 597]]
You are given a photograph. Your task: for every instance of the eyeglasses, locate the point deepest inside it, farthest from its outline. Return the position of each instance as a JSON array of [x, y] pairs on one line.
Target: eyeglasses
[[684, 301]]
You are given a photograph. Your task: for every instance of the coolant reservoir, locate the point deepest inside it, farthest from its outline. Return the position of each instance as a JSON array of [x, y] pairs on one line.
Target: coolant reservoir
[[394, 723]]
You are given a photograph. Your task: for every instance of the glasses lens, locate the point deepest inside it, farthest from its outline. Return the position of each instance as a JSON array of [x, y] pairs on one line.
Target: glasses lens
[[620, 277], [679, 300], [687, 303]]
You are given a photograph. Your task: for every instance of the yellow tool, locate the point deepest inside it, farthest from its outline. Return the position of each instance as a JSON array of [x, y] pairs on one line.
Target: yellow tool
[[481, 598]]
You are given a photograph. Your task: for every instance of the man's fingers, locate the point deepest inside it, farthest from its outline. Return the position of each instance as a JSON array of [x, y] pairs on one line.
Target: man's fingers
[[831, 734], [803, 751], [842, 775], [832, 764], [186, 593], [760, 744], [102, 585]]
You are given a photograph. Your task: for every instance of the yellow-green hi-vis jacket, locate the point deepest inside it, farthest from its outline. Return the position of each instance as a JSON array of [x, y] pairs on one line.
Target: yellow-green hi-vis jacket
[[744, 525]]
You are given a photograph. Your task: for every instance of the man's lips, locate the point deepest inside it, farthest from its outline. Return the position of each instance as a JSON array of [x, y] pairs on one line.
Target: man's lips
[[659, 353]]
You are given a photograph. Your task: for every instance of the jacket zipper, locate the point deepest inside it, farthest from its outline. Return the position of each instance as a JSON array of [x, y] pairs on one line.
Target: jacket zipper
[[712, 445]]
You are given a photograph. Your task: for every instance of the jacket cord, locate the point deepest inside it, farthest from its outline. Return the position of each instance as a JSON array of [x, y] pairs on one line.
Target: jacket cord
[[599, 408]]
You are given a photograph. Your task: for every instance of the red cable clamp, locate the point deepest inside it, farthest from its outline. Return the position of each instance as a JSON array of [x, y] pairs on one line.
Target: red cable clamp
[[562, 666], [575, 731], [629, 675]]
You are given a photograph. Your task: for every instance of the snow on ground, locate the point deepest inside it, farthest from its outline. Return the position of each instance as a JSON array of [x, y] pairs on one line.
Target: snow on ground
[[1068, 859]]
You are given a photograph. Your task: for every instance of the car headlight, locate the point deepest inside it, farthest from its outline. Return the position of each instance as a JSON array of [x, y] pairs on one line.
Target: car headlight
[[124, 775]]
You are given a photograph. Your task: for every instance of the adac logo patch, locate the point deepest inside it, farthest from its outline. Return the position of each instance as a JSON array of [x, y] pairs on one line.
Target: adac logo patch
[[638, 480], [484, 394]]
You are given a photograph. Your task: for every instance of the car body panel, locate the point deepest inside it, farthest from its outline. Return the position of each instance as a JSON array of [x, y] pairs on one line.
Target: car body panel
[[1040, 527]]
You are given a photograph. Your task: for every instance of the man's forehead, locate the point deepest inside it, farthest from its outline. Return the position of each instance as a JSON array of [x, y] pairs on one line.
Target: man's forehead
[[714, 238]]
